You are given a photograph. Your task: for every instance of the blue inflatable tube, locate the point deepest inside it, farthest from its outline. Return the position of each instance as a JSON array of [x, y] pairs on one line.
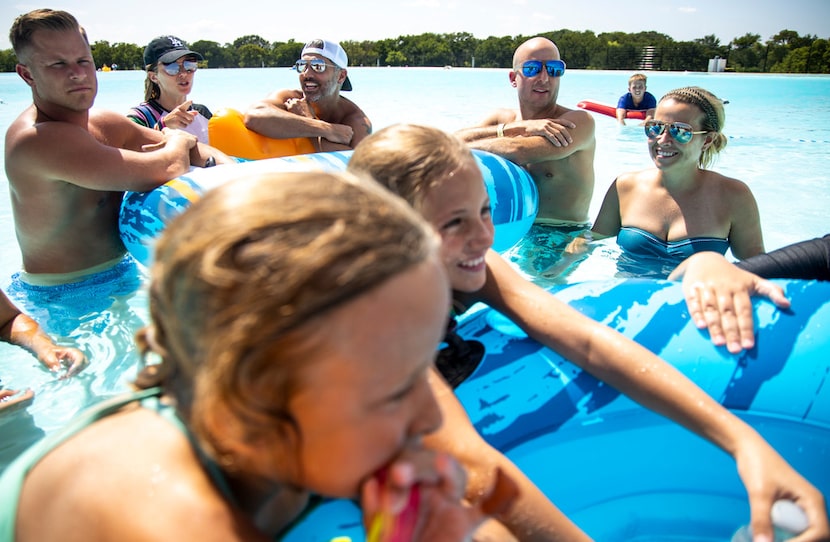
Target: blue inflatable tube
[[618, 470], [513, 194]]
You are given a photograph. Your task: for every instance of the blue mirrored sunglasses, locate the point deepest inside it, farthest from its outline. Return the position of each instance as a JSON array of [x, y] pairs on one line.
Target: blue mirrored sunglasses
[[679, 131], [532, 68], [175, 68], [316, 64]]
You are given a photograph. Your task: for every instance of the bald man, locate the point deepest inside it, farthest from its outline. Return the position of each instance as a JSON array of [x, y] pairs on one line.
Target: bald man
[[555, 144]]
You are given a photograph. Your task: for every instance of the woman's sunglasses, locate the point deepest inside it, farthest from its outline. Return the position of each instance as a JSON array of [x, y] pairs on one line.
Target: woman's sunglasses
[[316, 64], [175, 68], [679, 131], [532, 68]]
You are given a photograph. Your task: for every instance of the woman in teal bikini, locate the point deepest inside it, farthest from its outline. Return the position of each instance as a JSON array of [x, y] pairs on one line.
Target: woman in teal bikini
[[679, 207]]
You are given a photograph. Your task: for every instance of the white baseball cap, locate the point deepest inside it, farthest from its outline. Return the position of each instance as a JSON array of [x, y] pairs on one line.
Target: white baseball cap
[[332, 51]]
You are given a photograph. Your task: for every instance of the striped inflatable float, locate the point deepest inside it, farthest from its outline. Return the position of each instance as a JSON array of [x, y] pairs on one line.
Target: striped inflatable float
[[618, 470], [513, 195]]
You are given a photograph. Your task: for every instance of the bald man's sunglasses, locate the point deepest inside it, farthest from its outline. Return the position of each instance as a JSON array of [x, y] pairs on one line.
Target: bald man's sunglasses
[[532, 68]]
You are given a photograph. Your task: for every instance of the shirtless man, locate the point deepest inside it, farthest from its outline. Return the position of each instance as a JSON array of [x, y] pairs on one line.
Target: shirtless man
[[68, 165], [555, 144], [317, 111]]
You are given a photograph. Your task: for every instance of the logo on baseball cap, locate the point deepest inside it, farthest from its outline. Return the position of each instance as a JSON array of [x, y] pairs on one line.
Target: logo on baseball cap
[[167, 49]]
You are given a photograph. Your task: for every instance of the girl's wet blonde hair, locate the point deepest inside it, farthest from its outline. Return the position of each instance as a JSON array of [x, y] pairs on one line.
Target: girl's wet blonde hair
[[242, 279], [410, 159], [714, 117]]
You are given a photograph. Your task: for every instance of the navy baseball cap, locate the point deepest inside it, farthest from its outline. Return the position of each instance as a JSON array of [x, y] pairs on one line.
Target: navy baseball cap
[[167, 49]]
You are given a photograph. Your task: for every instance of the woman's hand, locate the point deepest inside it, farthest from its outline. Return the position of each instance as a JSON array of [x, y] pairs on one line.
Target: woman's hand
[[718, 295], [180, 117]]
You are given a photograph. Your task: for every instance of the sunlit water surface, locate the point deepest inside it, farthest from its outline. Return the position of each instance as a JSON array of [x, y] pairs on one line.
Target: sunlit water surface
[[779, 129]]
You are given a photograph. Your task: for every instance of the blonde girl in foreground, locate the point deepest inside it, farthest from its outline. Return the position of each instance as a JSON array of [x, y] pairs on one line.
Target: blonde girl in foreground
[[295, 318]]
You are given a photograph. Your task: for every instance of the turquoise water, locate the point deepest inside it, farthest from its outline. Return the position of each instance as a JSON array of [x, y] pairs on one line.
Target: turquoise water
[[779, 128], [624, 473]]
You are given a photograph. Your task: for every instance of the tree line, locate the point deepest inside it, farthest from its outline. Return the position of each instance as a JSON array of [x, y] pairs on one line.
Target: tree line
[[785, 52]]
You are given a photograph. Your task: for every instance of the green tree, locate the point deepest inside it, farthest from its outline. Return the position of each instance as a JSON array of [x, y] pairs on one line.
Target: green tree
[[405, 45], [495, 52], [710, 40], [382, 48], [785, 51], [683, 56], [287, 53], [577, 48], [619, 57], [102, 53], [127, 56], [252, 39], [215, 55], [810, 59], [747, 53], [251, 56], [430, 50], [395, 58], [711, 47], [463, 48], [8, 60], [786, 37], [363, 53]]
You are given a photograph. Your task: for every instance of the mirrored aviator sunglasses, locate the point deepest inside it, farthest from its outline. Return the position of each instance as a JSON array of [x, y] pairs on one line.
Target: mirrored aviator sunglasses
[[316, 64], [679, 131], [174, 68], [532, 68]]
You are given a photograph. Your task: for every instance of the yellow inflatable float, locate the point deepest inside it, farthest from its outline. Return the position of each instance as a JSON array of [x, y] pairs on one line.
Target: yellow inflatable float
[[227, 132]]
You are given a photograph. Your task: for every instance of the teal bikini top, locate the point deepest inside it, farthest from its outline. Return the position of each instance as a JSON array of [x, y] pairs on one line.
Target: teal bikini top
[[639, 242]]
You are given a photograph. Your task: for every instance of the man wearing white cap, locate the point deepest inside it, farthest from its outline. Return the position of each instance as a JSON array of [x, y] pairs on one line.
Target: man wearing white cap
[[316, 110]]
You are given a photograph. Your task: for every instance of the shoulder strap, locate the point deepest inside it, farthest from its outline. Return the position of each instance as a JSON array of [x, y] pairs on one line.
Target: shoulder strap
[[145, 115], [11, 482], [170, 414]]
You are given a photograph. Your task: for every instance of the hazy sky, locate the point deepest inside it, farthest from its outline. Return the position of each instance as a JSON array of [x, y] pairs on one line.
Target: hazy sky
[[223, 21]]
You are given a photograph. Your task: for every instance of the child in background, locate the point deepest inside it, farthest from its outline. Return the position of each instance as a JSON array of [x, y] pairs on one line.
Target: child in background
[[636, 99]]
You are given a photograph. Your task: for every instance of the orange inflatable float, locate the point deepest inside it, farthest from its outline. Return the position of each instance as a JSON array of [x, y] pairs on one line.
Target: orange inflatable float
[[609, 110], [228, 133]]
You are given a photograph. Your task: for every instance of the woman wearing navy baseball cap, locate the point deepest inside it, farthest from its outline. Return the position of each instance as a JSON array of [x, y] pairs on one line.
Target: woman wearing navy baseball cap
[[171, 67]]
